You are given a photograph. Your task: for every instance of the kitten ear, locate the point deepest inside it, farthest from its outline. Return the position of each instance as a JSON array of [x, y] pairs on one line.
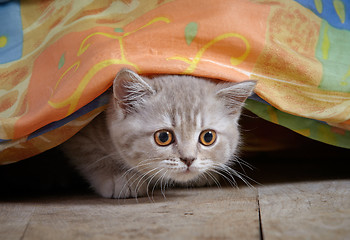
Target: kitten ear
[[235, 94], [129, 89]]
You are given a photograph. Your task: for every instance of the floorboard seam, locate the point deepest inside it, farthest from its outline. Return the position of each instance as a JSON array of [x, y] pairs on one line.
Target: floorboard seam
[[260, 221], [27, 225], [25, 230]]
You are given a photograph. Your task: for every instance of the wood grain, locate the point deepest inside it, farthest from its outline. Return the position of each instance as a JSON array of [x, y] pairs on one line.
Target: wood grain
[[185, 214], [313, 210], [307, 210], [14, 219]]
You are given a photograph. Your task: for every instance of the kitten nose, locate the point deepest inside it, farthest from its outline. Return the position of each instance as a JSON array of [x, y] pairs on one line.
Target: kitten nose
[[187, 161]]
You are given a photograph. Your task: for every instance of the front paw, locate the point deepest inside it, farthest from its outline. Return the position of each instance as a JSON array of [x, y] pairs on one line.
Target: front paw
[[118, 186]]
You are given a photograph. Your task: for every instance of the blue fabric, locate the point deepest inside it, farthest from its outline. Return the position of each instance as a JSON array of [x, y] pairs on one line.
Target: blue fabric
[[326, 9], [11, 34], [98, 102]]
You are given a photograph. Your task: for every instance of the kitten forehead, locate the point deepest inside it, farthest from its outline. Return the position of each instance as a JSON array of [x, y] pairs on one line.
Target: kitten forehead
[[186, 103], [181, 99]]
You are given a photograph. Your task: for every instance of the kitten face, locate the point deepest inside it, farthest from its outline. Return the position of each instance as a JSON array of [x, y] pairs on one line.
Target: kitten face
[[176, 128]]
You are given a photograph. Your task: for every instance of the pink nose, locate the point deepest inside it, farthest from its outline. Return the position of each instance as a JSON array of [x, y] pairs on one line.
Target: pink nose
[[187, 161]]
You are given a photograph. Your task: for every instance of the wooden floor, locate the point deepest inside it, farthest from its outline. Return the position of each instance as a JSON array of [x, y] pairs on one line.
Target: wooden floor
[[305, 198], [305, 210]]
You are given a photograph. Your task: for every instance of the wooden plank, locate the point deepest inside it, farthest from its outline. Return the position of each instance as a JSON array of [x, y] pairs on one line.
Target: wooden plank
[[205, 213], [313, 210], [14, 219]]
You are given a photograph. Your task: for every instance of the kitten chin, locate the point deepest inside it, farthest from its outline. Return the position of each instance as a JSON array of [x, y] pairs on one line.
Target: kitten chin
[[160, 131]]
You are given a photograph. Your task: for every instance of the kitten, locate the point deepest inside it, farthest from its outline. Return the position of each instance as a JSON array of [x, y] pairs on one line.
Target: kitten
[[159, 131]]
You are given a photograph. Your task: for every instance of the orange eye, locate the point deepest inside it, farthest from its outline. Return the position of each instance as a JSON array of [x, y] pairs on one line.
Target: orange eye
[[207, 137], [163, 137]]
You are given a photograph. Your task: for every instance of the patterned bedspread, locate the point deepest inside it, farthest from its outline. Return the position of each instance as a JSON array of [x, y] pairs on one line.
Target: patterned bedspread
[[57, 59]]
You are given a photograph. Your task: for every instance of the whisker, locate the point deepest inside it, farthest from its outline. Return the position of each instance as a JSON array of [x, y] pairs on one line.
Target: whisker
[[127, 183], [137, 172], [94, 163], [241, 163], [243, 176], [240, 176], [245, 163], [232, 182], [149, 182], [165, 185], [202, 175], [161, 180], [154, 186], [225, 168], [139, 178], [213, 178]]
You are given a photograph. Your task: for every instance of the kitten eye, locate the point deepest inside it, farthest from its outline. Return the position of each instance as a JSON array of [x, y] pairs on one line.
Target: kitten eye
[[163, 138], [207, 137]]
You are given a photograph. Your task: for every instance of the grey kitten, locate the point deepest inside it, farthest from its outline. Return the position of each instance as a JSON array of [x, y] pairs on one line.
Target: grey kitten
[[160, 131]]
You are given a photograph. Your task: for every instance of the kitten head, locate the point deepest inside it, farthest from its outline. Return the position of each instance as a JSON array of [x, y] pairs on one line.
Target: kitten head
[[176, 128]]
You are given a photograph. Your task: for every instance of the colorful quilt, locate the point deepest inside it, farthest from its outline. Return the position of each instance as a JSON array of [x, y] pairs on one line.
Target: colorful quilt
[[57, 59]]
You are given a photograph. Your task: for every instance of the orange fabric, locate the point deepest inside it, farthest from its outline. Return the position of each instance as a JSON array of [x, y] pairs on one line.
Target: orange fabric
[[72, 51]]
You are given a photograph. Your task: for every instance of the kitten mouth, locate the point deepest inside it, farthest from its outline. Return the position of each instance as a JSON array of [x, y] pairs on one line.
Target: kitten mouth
[[186, 175], [183, 173], [186, 171]]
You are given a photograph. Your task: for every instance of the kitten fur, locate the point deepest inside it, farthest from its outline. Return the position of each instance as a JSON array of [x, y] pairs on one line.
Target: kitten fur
[[118, 154]]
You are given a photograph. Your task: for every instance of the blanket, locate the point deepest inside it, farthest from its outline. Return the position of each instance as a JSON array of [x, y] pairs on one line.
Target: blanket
[[58, 58]]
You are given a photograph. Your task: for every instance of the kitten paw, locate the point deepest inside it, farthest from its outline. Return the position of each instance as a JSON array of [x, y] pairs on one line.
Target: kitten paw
[[123, 188], [118, 187]]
